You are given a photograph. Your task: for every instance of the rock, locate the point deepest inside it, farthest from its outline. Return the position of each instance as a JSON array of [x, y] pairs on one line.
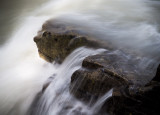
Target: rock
[[57, 40], [133, 92], [145, 101], [87, 83], [134, 100], [157, 76], [104, 71]]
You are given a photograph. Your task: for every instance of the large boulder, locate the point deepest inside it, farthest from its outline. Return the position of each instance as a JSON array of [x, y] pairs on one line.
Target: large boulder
[[100, 73], [134, 90], [57, 40]]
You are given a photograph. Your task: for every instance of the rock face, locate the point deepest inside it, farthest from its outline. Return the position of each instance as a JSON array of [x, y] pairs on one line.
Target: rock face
[[135, 101], [134, 93], [56, 41], [87, 83], [104, 71]]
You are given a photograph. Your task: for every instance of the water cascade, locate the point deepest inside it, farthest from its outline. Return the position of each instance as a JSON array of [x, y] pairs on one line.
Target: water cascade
[[127, 24]]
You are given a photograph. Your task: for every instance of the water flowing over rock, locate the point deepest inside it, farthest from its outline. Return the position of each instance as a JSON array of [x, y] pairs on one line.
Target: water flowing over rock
[[117, 69], [107, 70], [135, 100], [157, 77], [56, 41], [129, 96], [116, 79]]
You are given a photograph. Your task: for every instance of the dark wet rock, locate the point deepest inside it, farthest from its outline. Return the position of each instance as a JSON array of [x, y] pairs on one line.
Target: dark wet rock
[[86, 83], [145, 101], [157, 76], [104, 71], [134, 93], [57, 40]]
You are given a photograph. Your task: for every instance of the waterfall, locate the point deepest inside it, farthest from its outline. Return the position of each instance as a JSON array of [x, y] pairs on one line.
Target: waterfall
[[128, 24], [57, 96]]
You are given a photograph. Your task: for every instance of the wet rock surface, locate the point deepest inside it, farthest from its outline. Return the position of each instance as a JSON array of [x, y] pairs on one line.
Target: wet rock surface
[[57, 40], [142, 101], [134, 90], [134, 93], [100, 73]]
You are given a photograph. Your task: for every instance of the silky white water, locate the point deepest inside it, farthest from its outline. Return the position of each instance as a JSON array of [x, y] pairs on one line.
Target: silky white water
[[57, 96], [128, 24]]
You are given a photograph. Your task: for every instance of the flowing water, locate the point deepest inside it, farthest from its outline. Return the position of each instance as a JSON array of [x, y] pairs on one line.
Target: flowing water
[[132, 25]]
